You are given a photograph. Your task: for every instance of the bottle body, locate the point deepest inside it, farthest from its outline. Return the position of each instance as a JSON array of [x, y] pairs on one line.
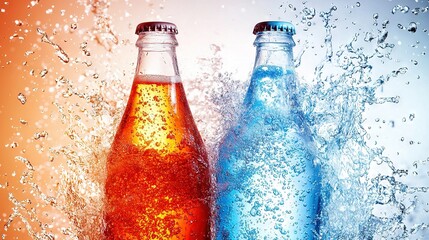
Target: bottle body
[[267, 182], [158, 180]]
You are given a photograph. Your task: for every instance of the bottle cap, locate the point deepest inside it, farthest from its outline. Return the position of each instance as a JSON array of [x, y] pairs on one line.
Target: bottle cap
[[156, 27], [274, 26]]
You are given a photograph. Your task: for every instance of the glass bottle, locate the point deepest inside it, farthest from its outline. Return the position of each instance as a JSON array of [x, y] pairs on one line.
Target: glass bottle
[[267, 180], [158, 180]]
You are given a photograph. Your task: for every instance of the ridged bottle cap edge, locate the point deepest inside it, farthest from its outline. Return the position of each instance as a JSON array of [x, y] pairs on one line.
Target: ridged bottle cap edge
[[156, 26], [274, 26]]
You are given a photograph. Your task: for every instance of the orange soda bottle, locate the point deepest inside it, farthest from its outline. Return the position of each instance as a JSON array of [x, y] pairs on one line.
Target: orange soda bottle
[[158, 178]]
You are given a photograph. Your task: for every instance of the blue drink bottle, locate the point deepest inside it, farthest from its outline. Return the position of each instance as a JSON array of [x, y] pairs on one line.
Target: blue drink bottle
[[267, 181]]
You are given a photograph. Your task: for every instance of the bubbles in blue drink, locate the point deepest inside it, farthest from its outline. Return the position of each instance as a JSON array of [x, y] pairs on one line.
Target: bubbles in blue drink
[[268, 184]]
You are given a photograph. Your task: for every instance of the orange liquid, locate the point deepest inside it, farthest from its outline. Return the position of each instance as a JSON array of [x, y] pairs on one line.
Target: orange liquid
[[158, 180]]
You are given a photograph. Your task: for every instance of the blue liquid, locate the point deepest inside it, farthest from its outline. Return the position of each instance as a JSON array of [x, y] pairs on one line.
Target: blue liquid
[[267, 182]]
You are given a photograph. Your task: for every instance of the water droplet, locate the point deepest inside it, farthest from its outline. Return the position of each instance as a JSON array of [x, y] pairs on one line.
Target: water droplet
[[12, 145], [276, 192], [83, 45], [39, 135], [34, 3], [95, 76], [26, 162], [357, 4], [402, 9], [18, 22], [73, 26], [384, 24], [43, 73], [411, 142], [22, 98], [309, 13], [412, 116], [414, 62], [27, 53], [375, 16], [87, 63], [401, 70], [382, 36], [400, 26], [369, 37], [412, 27], [15, 35], [23, 122], [58, 50]]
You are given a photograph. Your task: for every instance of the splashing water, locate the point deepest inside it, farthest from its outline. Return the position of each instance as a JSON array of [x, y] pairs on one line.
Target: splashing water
[[58, 50], [367, 194]]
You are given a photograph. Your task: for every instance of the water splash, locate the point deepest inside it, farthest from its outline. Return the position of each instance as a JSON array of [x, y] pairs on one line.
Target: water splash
[[102, 30], [344, 88], [61, 54]]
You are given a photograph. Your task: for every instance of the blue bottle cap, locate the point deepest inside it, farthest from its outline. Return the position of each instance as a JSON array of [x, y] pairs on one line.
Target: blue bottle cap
[[274, 26], [156, 27]]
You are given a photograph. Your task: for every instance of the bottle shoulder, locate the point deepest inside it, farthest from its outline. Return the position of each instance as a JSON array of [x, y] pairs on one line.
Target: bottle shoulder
[[158, 117]]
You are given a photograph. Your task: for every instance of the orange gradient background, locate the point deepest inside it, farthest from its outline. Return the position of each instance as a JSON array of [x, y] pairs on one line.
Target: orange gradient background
[[23, 57]]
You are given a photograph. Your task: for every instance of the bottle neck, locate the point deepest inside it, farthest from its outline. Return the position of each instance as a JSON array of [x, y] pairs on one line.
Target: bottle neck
[[275, 49], [157, 55], [273, 82]]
